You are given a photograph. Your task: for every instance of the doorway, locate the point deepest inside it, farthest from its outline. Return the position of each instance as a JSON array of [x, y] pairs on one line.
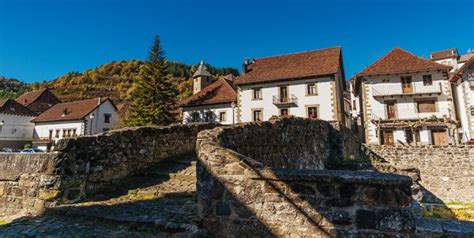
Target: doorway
[[438, 137]]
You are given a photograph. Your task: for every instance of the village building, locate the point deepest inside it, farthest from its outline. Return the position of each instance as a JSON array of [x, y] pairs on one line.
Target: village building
[[451, 57], [463, 89], [212, 101], [406, 99], [38, 101], [16, 128], [71, 119], [306, 84]]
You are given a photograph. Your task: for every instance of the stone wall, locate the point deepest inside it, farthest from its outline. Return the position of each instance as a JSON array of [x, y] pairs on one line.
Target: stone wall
[[27, 183], [446, 172], [245, 189], [86, 166]]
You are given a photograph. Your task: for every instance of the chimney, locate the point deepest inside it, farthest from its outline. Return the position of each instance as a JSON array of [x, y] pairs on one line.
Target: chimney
[[64, 112], [99, 99], [245, 66]]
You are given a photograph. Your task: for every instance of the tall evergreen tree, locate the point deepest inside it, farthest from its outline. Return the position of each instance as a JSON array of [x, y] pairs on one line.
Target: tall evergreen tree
[[154, 95]]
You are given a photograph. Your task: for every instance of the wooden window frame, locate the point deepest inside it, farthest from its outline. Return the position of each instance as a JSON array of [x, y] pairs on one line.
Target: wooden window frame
[[253, 94], [318, 114], [316, 91], [288, 110], [425, 79], [416, 101], [253, 114], [225, 116], [386, 107]]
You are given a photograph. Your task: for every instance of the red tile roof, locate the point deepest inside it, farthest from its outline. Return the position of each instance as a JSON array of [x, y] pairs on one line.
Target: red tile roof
[[70, 111], [221, 91], [399, 61], [466, 57], [12, 107], [292, 66], [38, 101], [30, 97], [444, 54]]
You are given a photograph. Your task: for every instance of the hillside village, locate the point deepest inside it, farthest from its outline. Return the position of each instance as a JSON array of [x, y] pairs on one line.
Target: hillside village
[[401, 99]]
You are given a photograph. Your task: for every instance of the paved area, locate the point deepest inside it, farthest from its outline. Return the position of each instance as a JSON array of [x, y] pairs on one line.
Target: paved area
[[158, 203]]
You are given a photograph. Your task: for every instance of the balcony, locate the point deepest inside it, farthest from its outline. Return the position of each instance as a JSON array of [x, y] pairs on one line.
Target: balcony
[[291, 101], [416, 89], [407, 114]]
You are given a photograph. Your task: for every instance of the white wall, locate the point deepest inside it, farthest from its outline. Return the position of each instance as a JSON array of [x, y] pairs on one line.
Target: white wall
[[298, 88], [406, 106], [97, 124], [215, 109], [16, 128], [465, 99], [91, 125]]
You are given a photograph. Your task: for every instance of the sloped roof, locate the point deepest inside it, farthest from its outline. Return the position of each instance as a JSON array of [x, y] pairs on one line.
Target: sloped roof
[[30, 97], [221, 91], [458, 73], [466, 57], [9, 106], [449, 53], [70, 111], [202, 70], [292, 66], [400, 61]]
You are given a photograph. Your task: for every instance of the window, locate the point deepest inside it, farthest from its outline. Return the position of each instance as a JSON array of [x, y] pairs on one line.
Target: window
[[195, 116], [284, 112], [408, 136], [257, 94], [354, 105], [426, 105], [427, 80], [107, 117], [311, 89], [74, 132], [472, 111], [257, 115], [209, 117], [222, 116], [312, 112], [57, 133]]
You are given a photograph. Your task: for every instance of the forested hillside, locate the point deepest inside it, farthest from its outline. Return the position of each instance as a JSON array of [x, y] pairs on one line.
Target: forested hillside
[[12, 88], [116, 80]]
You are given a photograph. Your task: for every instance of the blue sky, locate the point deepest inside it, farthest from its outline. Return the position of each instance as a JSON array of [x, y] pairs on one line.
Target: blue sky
[[41, 40]]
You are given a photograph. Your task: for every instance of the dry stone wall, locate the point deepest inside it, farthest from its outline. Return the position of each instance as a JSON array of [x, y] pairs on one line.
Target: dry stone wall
[[446, 173], [245, 190], [86, 166]]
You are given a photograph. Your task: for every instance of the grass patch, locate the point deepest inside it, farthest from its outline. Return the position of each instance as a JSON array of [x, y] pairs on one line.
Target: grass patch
[[465, 213]]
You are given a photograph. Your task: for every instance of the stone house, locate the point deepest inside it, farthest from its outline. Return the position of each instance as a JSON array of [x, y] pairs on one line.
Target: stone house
[[406, 99], [305, 84], [71, 119], [212, 100], [463, 89], [38, 101], [16, 128]]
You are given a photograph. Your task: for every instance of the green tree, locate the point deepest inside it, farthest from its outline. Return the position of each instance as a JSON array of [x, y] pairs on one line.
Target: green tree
[[154, 94]]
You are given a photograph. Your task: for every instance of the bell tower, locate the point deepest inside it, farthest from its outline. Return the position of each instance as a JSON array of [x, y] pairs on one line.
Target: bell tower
[[201, 78]]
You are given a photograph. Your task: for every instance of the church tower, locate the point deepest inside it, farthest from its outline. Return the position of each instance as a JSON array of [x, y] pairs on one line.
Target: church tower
[[201, 78]]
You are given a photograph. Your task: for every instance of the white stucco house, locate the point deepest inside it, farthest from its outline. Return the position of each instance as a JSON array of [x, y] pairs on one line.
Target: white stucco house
[[71, 119], [463, 89], [213, 100], [406, 99], [451, 57], [306, 84], [16, 128]]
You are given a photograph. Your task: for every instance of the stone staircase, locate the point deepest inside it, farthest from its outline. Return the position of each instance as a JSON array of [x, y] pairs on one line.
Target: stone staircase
[[160, 202]]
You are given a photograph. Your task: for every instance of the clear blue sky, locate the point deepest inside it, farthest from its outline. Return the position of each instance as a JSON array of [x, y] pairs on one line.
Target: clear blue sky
[[41, 40]]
